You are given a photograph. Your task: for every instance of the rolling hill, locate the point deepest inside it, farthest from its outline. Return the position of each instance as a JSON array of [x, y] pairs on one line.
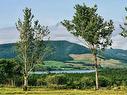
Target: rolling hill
[[63, 49]]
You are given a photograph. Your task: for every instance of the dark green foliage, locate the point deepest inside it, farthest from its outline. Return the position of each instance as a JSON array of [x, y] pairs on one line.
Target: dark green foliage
[[9, 71], [41, 82], [87, 82], [33, 80], [104, 81], [56, 80], [108, 78]]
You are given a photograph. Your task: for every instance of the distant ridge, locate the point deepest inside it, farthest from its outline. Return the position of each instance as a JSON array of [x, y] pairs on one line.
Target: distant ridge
[[62, 50]]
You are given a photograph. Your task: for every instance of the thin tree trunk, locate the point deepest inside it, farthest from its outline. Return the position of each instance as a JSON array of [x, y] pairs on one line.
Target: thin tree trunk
[[25, 83], [12, 82], [96, 71], [25, 76]]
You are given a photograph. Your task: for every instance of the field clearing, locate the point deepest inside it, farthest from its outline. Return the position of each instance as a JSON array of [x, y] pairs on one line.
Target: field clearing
[[88, 58], [44, 91]]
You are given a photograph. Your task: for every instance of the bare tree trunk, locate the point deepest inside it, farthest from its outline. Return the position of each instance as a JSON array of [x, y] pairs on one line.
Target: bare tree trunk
[[12, 82], [25, 76], [96, 71], [25, 83]]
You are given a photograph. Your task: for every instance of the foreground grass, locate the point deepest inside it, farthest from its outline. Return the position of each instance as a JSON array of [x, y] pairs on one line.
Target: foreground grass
[[43, 91]]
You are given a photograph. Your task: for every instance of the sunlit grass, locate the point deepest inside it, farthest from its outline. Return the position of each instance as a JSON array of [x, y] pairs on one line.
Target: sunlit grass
[[44, 91]]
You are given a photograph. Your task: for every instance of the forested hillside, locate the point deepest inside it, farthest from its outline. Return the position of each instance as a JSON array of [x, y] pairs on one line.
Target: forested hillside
[[62, 50]]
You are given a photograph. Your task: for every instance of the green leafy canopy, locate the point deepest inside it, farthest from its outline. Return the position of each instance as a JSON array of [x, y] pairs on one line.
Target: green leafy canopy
[[91, 27], [31, 47]]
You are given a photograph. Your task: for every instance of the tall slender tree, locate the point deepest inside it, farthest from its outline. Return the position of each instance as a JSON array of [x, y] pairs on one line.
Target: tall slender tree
[[31, 47], [92, 28]]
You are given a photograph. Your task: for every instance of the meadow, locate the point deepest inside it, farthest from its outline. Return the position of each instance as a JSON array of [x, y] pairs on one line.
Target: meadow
[[45, 91]]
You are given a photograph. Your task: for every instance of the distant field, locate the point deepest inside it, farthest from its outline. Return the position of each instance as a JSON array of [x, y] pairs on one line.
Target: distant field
[[81, 63], [88, 58], [43, 91], [53, 65]]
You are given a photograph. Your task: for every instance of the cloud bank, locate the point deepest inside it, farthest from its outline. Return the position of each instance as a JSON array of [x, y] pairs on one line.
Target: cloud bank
[[58, 32]]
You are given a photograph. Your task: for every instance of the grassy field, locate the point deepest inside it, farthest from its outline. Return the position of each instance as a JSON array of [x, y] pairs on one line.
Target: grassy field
[[88, 58], [80, 61], [43, 91]]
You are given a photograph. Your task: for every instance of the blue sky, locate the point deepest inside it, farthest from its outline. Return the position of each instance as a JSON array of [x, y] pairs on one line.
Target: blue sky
[[50, 12]]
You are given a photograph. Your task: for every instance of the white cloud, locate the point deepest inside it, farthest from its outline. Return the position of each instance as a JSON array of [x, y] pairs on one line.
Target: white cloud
[[58, 32], [119, 42], [8, 35]]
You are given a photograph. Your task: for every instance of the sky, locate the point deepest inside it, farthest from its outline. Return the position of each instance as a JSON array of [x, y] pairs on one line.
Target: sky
[[50, 12]]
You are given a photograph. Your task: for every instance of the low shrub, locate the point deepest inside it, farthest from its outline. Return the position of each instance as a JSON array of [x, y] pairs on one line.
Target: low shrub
[[87, 82], [56, 80], [41, 82], [104, 81]]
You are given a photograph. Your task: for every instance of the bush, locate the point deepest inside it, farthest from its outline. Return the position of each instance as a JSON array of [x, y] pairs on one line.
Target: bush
[[41, 82], [74, 84], [104, 82], [18, 81], [56, 80], [86, 82], [32, 81]]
